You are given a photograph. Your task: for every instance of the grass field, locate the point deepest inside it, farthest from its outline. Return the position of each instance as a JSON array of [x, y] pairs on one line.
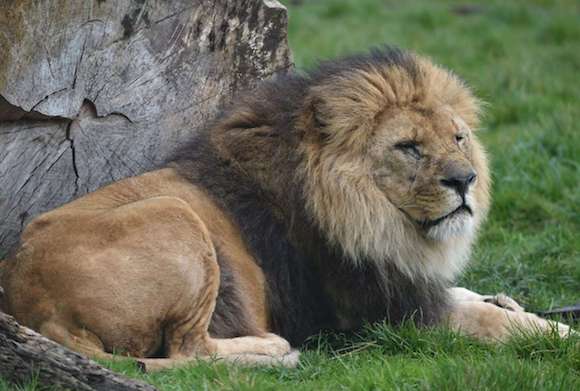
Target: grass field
[[523, 58]]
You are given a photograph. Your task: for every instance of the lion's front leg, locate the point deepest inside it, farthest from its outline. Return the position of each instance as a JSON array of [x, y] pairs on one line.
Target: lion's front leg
[[496, 317], [501, 300]]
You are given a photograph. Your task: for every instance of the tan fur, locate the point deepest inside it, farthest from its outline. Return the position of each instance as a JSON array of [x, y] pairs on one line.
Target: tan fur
[[156, 233]]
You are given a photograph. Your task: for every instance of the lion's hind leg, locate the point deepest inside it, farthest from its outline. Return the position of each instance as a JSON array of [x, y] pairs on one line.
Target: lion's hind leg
[[187, 332], [140, 279], [267, 350], [79, 340], [187, 325], [270, 350]]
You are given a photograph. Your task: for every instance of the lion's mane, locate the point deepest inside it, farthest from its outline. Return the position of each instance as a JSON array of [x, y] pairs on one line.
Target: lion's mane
[[334, 250]]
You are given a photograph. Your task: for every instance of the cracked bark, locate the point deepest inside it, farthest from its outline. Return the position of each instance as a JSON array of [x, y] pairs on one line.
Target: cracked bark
[[93, 91], [73, 157]]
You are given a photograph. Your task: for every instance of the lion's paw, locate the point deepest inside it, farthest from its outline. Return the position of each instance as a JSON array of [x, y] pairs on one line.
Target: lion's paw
[[289, 360], [274, 345]]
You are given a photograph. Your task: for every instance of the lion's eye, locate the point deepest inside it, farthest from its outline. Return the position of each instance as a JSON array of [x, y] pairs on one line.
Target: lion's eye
[[459, 138], [409, 147]]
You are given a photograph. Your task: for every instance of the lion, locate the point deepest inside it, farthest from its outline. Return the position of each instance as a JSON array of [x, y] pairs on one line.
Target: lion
[[319, 201]]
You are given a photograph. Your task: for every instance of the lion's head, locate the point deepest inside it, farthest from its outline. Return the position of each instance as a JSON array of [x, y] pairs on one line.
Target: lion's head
[[389, 164], [392, 163]]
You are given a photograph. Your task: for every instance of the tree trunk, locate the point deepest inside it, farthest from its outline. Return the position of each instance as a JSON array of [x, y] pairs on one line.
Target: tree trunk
[[94, 91], [25, 354]]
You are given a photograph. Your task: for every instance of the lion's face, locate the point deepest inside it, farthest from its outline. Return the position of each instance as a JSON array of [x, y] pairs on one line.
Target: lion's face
[[423, 161], [392, 165]]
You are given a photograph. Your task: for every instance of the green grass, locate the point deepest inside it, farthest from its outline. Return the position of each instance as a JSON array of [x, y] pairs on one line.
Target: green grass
[[522, 57], [380, 358]]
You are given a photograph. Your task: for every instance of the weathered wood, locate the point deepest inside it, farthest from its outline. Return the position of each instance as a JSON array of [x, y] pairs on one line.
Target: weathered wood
[[25, 353], [93, 91]]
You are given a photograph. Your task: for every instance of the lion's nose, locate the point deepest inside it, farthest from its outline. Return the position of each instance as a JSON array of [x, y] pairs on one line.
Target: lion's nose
[[460, 181]]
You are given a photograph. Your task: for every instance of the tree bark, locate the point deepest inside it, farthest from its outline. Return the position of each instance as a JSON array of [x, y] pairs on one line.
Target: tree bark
[[25, 354], [94, 91]]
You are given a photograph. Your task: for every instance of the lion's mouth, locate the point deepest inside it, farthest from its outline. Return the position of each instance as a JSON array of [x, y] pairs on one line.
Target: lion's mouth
[[463, 208]]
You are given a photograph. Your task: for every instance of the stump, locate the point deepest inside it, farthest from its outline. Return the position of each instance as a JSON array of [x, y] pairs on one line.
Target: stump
[[94, 91]]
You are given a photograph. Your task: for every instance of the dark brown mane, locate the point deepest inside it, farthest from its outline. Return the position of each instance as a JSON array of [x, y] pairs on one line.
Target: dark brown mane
[[248, 161]]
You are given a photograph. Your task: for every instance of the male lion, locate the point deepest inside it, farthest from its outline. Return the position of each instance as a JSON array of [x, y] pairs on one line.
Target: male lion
[[349, 194]]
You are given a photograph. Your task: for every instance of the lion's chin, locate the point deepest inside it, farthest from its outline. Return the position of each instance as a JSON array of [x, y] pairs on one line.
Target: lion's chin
[[456, 225]]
